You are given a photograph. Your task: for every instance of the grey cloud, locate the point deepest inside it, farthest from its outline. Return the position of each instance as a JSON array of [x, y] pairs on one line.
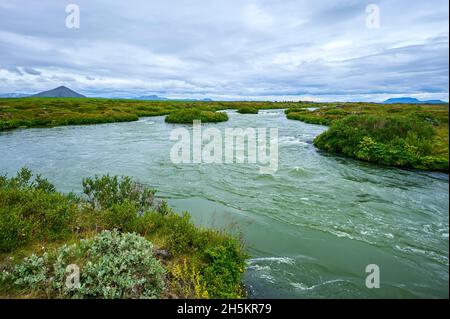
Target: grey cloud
[[230, 48], [31, 71]]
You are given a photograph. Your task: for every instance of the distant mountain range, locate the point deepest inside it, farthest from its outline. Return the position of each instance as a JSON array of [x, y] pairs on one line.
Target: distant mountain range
[[411, 100], [63, 91], [13, 95], [60, 91], [159, 98], [151, 98]]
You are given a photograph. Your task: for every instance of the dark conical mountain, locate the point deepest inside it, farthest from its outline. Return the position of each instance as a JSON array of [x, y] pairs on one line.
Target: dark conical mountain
[[60, 91]]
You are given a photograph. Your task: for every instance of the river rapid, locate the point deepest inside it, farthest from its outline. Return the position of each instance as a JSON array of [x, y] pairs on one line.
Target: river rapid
[[311, 228]]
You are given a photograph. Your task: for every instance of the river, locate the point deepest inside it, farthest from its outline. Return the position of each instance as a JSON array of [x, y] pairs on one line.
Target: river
[[311, 228]]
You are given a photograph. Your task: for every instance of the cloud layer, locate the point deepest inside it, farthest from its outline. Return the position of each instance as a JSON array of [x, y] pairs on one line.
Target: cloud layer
[[234, 49]]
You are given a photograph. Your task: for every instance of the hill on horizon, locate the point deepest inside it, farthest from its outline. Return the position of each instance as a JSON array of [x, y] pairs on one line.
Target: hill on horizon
[[411, 100], [60, 91], [159, 98]]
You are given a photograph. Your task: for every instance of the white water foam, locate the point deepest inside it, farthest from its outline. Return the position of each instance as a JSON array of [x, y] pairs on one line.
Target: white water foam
[[302, 286], [278, 260]]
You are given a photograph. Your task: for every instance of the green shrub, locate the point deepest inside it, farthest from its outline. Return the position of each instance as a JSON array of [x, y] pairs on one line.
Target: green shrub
[[122, 216], [24, 180], [396, 141], [163, 208], [111, 264], [181, 235], [31, 213], [30, 209], [106, 191], [308, 118], [248, 110], [187, 116], [225, 263]]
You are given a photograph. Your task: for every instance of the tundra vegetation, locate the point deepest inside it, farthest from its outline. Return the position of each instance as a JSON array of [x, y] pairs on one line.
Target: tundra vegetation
[[126, 243], [48, 112], [403, 135], [248, 110], [188, 116]]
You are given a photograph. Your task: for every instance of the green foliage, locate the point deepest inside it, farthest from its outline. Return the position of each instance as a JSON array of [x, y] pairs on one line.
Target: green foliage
[[24, 180], [162, 207], [308, 118], [396, 141], [217, 260], [122, 216], [47, 112], [107, 191], [33, 214], [216, 275], [404, 135], [187, 116], [248, 110], [223, 269], [31, 209], [111, 264]]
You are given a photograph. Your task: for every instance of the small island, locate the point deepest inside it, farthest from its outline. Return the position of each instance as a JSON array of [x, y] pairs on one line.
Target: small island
[[248, 110], [187, 116]]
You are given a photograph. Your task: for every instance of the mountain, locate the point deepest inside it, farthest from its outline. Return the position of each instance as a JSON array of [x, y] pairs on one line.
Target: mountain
[[13, 95], [411, 100], [151, 98], [159, 98], [60, 91], [194, 100]]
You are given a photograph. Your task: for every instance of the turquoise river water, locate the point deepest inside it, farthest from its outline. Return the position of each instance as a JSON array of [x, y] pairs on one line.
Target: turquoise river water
[[311, 228]]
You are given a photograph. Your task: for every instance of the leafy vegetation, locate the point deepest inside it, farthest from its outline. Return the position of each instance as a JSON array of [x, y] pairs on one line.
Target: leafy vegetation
[[403, 135], [48, 112], [106, 191], [31, 209], [395, 141], [248, 110], [111, 265], [31, 112], [189, 115], [112, 227]]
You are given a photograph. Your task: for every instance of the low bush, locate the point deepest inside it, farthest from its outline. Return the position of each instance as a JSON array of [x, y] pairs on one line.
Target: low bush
[[308, 118], [122, 216], [248, 110], [31, 209], [396, 141], [111, 265], [107, 191], [187, 116], [33, 215], [224, 265]]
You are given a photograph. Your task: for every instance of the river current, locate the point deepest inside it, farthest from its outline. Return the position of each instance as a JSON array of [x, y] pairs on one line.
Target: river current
[[311, 228]]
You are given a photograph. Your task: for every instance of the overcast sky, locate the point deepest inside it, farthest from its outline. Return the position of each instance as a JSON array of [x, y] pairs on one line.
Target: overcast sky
[[229, 49]]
